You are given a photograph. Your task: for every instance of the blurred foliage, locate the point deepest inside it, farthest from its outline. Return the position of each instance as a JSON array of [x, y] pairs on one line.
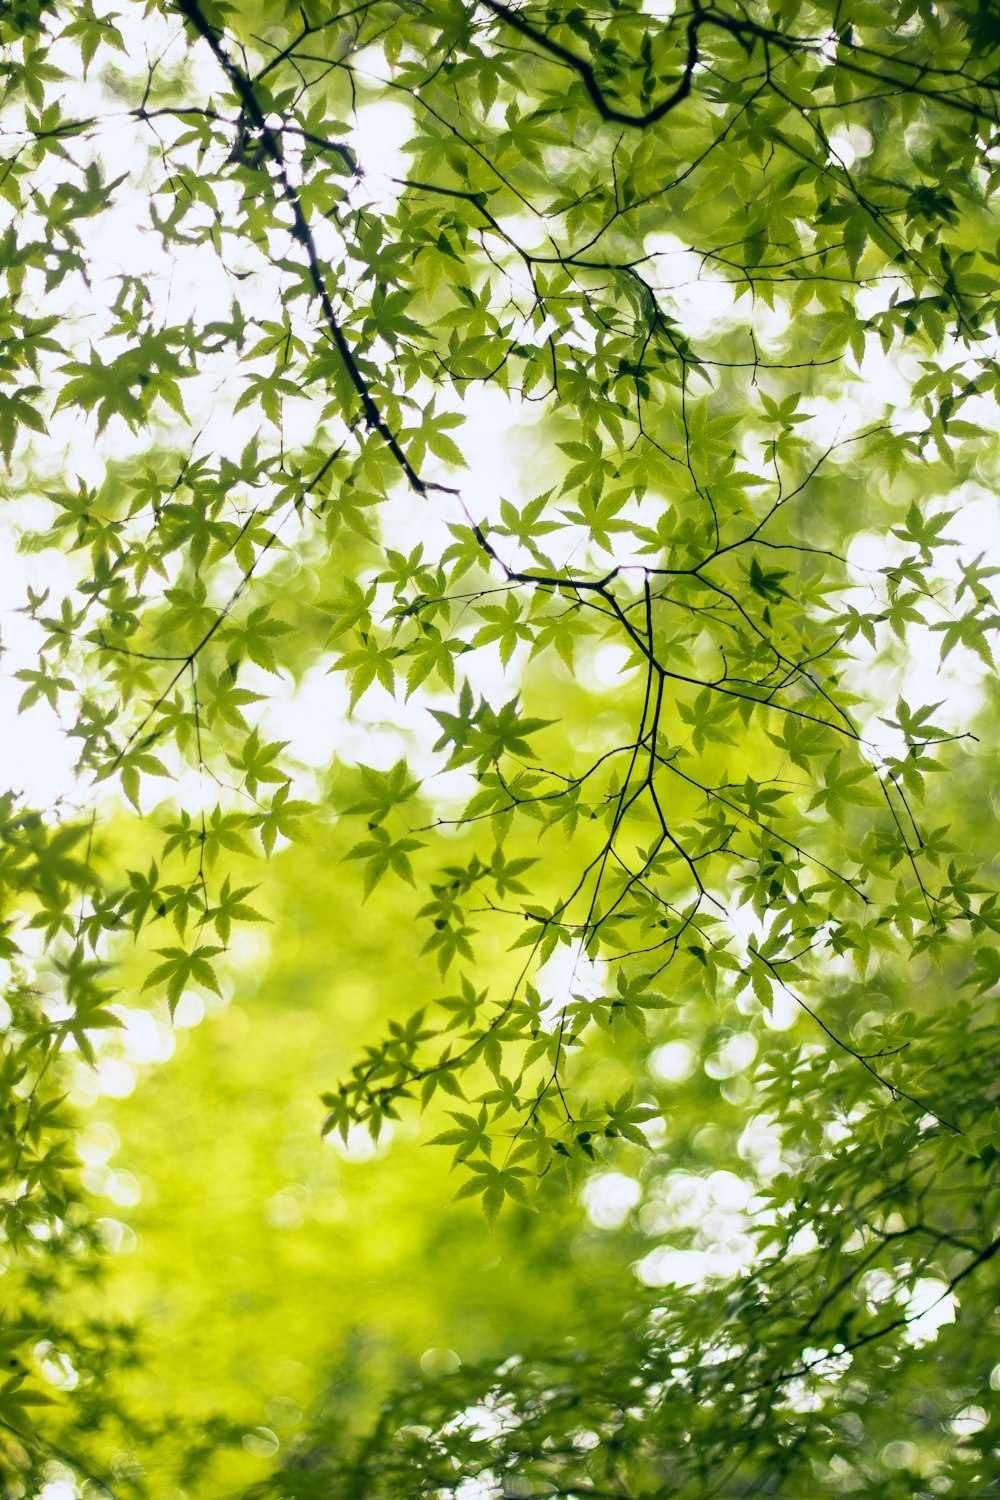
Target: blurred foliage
[[523, 608]]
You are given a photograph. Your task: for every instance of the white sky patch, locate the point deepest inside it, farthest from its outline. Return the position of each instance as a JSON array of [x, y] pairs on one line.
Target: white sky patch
[[97, 1144], [760, 1146], [527, 230], [610, 666], [359, 1145], [496, 442], [609, 1198], [734, 1056], [59, 1489], [36, 757], [748, 930], [930, 1306], [315, 718], [699, 294], [847, 410], [716, 1210], [189, 1010], [477, 1486], [144, 1038], [850, 145], [667, 1266], [567, 973], [770, 324], [112, 1077], [969, 1421], [672, 1063], [380, 131], [728, 1191], [918, 673]]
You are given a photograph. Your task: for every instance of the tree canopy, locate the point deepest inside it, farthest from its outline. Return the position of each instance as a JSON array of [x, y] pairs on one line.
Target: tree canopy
[[504, 498]]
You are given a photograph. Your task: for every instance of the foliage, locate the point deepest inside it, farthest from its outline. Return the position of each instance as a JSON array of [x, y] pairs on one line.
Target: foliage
[[724, 275]]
